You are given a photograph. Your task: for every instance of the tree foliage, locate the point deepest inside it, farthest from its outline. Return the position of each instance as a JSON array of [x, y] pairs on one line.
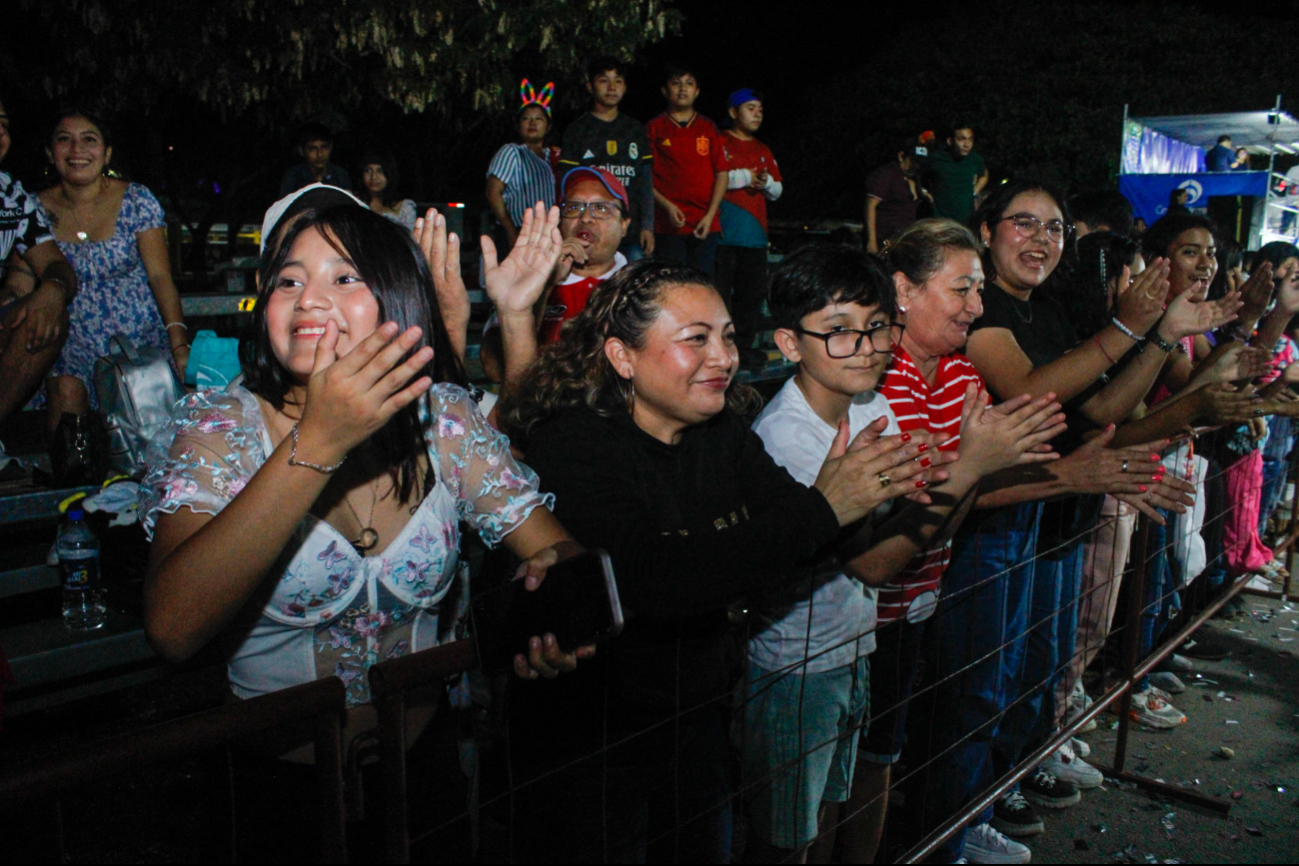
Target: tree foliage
[[291, 59]]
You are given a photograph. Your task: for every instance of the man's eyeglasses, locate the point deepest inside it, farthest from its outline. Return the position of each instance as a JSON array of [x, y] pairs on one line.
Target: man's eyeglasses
[[599, 210], [847, 342], [1028, 226]]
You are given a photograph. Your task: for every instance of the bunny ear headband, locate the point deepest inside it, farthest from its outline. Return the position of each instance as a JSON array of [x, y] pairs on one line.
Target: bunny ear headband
[[529, 96]]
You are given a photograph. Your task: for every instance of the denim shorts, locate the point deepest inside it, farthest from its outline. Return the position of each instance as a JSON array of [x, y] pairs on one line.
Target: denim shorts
[[789, 772]]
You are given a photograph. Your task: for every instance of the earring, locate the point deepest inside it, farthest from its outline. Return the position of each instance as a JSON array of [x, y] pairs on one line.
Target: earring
[[901, 309], [630, 397]]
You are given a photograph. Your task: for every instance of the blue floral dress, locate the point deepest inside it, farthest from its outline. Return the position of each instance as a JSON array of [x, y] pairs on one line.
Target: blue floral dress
[[324, 609], [113, 294]]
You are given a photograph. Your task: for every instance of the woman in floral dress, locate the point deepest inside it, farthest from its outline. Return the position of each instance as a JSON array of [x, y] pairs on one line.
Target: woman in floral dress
[[308, 513], [114, 235]]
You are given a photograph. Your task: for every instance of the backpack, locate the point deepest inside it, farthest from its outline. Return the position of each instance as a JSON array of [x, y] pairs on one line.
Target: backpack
[[136, 389]]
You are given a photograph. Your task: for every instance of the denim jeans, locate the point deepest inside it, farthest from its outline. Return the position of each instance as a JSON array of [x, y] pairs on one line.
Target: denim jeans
[[1053, 633], [1161, 594], [1275, 461], [977, 644], [689, 250]]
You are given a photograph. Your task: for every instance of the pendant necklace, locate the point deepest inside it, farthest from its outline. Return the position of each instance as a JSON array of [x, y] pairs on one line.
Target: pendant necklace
[[369, 537], [82, 236]]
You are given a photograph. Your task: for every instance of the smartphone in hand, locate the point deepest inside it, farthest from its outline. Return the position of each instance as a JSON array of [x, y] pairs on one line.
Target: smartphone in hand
[[577, 602]]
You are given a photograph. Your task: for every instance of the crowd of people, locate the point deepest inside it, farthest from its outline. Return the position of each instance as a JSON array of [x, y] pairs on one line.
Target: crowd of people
[[946, 487]]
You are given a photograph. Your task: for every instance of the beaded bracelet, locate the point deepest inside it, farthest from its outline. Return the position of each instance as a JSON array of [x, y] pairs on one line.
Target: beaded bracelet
[[1126, 330], [294, 461]]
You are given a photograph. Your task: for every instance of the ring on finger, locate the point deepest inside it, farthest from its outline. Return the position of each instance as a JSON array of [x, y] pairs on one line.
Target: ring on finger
[[1124, 467], [885, 481]]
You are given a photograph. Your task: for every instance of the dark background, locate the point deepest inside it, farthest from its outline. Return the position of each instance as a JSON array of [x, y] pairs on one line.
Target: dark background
[[1044, 86]]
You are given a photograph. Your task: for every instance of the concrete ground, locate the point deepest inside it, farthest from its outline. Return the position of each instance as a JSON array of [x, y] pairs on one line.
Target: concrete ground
[[1252, 707]]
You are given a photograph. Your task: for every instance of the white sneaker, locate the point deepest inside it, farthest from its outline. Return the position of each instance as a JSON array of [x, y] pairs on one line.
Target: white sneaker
[[1177, 664], [1080, 747], [1149, 709], [1167, 681], [1077, 704], [983, 844], [1066, 765]]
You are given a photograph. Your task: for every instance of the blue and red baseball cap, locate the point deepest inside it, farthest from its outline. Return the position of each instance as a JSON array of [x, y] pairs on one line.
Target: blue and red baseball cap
[[611, 183]]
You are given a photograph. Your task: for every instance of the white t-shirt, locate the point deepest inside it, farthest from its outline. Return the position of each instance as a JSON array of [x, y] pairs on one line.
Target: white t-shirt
[[841, 610]]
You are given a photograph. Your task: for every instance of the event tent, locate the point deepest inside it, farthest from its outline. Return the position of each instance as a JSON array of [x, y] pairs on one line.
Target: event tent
[[1161, 154]]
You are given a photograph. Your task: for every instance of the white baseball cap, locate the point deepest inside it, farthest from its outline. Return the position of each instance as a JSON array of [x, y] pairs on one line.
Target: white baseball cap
[[313, 196]]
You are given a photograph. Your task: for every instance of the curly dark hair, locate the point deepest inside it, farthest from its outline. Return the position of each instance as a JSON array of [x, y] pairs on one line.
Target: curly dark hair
[[575, 371]]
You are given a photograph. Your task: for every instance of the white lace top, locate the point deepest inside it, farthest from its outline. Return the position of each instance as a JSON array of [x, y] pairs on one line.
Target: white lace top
[[324, 608]]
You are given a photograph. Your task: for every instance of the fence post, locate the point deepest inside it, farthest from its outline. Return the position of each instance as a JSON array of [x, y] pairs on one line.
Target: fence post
[[1134, 582]]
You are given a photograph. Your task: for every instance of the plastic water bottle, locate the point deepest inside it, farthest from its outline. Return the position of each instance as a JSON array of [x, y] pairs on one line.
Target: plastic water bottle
[[83, 595]]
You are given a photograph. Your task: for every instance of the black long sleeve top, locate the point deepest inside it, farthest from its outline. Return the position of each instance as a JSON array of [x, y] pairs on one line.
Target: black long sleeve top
[[690, 528]]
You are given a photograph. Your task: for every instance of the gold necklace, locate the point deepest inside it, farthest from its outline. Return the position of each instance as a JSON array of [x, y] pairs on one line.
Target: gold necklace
[[369, 536]]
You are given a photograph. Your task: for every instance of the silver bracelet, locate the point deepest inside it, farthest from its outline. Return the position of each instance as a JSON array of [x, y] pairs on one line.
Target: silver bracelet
[[294, 461], [1125, 329], [171, 325]]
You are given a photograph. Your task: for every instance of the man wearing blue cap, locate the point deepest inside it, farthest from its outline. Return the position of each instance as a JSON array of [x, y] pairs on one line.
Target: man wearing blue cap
[[753, 179]]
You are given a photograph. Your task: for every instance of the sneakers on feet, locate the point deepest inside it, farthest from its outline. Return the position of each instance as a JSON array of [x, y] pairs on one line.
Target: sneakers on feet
[[983, 844], [1178, 664], [1153, 711], [1205, 647], [1078, 703], [1047, 790], [1080, 747], [1168, 681], [1068, 767], [1012, 815]]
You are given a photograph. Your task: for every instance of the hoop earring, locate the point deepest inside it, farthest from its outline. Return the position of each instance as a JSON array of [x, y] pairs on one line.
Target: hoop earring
[[630, 397]]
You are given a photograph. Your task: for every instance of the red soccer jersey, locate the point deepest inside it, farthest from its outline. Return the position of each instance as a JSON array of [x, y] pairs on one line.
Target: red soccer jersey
[[756, 157], [913, 593], [569, 298], [687, 159]]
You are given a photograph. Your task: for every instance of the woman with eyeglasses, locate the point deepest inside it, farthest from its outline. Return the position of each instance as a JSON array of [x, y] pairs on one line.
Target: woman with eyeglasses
[[939, 278], [634, 421]]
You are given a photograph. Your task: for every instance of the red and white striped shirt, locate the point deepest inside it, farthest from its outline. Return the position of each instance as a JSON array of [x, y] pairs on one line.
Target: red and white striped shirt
[[913, 593]]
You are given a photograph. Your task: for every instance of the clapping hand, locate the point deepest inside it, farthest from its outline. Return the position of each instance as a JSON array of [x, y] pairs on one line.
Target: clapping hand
[[1189, 314], [857, 478], [1256, 293], [350, 398], [1140, 301], [517, 283], [442, 252], [1013, 433]]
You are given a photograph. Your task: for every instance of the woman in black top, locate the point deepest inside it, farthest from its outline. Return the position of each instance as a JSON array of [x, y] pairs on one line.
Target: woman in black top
[[632, 421]]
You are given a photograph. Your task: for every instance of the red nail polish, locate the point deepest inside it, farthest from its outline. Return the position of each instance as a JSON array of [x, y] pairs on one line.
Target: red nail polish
[[922, 448], [1142, 488], [906, 437], [925, 461], [1156, 478], [1154, 457], [920, 484]]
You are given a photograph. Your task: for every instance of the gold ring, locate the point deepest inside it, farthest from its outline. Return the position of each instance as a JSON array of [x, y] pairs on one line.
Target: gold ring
[[885, 481]]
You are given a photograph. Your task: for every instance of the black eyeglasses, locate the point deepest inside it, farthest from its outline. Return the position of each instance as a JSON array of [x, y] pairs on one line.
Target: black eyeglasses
[[600, 210], [1028, 226], [847, 342]]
